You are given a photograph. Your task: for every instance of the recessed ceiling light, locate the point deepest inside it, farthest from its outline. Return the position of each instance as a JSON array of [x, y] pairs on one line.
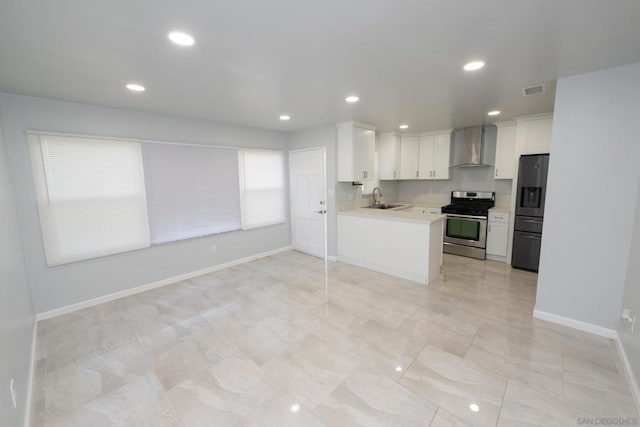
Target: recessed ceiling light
[[284, 117], [472, 66], [404, 126], [181, 39], [474, 407], [398, 368], [493, 113], [135, 87], [351, 99], [295, 408]]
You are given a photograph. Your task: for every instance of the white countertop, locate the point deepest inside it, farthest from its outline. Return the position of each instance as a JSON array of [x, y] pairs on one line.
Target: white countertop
[[394, 215], [425, 205], [500, 209]]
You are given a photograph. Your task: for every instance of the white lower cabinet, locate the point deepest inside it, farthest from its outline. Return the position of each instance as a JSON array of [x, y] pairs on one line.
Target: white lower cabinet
[[498, 234]]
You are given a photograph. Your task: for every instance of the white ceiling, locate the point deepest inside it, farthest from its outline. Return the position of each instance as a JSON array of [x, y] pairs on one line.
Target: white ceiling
[[254, 60]]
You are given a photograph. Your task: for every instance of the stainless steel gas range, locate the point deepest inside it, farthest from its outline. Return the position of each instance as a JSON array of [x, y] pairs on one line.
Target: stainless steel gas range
[[465, 231]]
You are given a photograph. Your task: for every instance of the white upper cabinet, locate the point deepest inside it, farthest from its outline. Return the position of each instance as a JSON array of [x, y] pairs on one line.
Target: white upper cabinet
[[389, 156], [505, 163], [435, 153], [534, 134], [409, 157], [356, 145], [427, 150], [416, 156], [442, 156]]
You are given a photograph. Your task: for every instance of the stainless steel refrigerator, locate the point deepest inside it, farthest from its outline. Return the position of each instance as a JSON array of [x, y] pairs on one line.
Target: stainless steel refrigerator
[[532, 189]]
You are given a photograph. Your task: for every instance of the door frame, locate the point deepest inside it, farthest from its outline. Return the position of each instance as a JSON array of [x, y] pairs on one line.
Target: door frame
[[324, 194]]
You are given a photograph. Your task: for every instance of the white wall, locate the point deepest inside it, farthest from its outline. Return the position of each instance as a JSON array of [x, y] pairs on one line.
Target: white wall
[[16, 314], [464, 179], [631, 299], [72, 283], [593, 181]]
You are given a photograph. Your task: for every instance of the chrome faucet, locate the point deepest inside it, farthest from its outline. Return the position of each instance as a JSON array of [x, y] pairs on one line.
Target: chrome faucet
[[374, 201]]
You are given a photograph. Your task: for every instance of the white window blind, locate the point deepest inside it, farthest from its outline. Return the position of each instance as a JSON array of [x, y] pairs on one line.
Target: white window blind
[[262, 188], [90, 195], [192, 191]]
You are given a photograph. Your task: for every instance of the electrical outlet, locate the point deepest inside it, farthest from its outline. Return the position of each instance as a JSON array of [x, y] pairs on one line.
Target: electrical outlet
[[14, 398], [213, 248]]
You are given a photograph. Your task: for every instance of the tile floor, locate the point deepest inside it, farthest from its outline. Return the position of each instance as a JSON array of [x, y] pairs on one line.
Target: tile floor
[[256, 345]]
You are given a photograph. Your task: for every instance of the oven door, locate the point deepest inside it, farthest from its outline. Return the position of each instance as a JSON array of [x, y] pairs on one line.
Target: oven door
[[466, 230]]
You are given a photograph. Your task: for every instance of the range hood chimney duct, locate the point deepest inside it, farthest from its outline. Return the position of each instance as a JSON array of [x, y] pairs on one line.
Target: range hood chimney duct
[[470, 152]]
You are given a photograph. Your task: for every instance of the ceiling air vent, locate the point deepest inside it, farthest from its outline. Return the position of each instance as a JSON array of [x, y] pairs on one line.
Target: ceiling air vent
[[533, 90]]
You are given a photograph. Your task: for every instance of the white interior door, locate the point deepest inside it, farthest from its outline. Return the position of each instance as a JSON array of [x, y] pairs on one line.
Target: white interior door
[[308, 204]]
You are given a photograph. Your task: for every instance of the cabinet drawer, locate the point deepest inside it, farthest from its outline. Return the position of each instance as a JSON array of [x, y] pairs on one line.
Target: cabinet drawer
[[434, 211], [498, 217]]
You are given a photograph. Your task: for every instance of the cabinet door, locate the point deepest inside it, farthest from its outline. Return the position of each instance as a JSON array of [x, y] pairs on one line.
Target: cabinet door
[[497, 237], [536, 136], [389, 157], [364, 147], [409, 157], [505, 153], [427, 150], [441, 154]]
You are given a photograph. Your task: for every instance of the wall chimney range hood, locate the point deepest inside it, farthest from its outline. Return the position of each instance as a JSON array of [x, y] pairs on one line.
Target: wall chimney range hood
[[470, 151]]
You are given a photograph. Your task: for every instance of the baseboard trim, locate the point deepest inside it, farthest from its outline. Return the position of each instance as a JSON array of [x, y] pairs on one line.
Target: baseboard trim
[[160, 283], [575, 324], [628, 370], [497, 258], [31, 377]]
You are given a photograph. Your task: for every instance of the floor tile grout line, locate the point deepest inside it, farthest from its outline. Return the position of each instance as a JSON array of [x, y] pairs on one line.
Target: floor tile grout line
[[504, 393], [435, 414]]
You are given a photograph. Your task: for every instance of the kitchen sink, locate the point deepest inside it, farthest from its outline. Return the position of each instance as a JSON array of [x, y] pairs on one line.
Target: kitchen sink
[[385, 206]]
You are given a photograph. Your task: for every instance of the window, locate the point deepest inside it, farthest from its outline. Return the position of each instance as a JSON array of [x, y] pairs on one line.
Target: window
[[102, 196], [192, 191], [262, 187], [91, 196]]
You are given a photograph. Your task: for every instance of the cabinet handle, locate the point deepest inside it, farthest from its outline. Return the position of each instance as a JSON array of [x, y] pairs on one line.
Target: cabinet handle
[[394, 174], [416, 174], [531, 237], [497, 173], [489, 228]]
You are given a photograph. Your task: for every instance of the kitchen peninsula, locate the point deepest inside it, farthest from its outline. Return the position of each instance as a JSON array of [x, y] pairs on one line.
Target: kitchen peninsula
[[399, 242]]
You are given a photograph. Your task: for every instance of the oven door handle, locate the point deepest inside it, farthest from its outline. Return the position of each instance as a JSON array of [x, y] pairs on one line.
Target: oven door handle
[[466, 216]]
